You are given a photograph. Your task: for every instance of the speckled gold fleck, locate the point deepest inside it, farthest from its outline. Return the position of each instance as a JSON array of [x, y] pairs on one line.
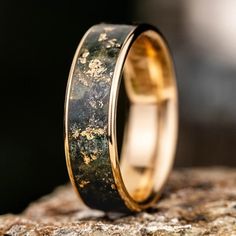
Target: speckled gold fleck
[[104, 78], [112, 43], [80, 79], [93, 104], [96, 68], [113, 186], [83, 183], [96, 104], [90, 133], [94, 157], [86, 158], [82, 59], [102, 37], [76, 133], [83, 81]]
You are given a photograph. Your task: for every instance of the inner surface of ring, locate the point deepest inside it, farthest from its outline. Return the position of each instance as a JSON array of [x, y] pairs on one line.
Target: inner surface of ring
[[148, 145]]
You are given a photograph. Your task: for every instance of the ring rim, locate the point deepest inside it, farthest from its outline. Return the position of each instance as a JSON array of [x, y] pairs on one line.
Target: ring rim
[[131, 38]]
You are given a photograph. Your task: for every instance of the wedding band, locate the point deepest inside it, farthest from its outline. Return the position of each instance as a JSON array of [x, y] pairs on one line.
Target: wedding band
[[131, 176]]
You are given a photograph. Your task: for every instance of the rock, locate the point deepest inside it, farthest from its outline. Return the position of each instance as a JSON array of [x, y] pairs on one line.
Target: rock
[[195, 202]]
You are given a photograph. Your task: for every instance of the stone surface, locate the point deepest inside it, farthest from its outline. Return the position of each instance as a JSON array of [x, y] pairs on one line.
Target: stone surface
[[195, 202], [87, 116]]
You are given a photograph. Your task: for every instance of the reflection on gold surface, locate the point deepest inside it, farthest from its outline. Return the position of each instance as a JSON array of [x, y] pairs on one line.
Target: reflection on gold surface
[[151, 128]]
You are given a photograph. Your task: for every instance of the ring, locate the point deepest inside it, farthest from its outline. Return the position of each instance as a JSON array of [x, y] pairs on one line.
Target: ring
[[120, 71]]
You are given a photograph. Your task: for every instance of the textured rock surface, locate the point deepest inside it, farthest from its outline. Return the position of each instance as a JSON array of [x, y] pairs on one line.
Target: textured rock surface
[[195, 202], [87, 123]]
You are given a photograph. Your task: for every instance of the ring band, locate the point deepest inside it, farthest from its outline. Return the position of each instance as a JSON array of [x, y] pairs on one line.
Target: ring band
[[137, 56]]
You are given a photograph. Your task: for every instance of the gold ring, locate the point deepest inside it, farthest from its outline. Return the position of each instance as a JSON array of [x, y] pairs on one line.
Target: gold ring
[[131, 178]]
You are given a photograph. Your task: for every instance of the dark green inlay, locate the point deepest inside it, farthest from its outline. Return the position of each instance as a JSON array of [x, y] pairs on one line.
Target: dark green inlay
[[88, 116]]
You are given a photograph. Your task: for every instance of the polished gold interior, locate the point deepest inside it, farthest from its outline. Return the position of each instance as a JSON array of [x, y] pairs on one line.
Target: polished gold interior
[[150, 129]]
